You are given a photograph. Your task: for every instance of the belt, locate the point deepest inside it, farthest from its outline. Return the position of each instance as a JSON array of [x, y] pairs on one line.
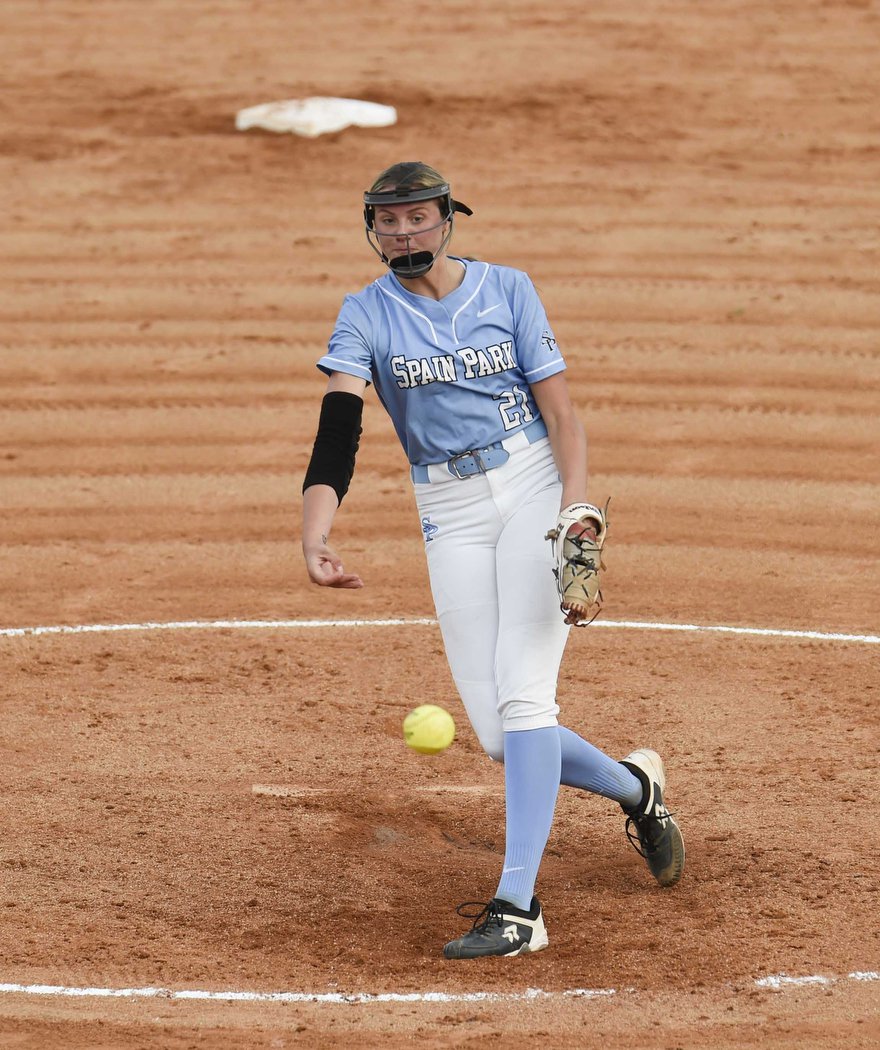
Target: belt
[[479, 460]]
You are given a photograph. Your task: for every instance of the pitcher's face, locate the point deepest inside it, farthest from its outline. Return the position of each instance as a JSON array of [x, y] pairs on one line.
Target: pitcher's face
[[404, 229]]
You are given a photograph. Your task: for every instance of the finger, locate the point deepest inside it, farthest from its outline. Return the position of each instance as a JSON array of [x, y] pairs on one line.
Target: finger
[[580, 531], [349, 581], [324, 576], [328, 576], [326, 567]]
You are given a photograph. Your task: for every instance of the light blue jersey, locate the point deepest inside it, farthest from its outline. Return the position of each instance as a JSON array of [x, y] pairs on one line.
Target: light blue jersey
[[455, 374]]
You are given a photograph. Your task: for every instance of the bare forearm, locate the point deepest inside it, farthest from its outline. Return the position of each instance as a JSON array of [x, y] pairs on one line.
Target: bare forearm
[[569, 444], [567, 438], [320, 504], [323, 563]]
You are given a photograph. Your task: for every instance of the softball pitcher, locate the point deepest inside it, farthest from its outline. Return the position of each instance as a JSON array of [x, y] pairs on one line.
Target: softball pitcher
[[463, 358]]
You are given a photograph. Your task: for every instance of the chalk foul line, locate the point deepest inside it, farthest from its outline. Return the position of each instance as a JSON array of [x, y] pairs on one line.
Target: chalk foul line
[[301, 997], [775, 982], [239, 625]]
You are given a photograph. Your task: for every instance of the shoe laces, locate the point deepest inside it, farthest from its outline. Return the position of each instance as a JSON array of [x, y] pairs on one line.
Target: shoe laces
[[483, 917], [639, 827]]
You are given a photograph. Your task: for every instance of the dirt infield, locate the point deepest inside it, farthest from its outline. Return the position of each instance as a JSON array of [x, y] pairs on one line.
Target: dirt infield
[[694, 189]]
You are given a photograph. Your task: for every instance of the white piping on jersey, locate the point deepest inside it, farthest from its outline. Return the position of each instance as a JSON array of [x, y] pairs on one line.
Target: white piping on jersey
[[351, 368], [476, 290], [538, 371], [413, 310]]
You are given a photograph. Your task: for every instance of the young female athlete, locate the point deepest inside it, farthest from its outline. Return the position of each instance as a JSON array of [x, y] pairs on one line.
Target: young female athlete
[[464, 360]]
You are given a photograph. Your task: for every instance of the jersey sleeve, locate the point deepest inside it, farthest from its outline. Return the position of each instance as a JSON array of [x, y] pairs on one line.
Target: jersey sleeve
[[537, 352], [349, 350]]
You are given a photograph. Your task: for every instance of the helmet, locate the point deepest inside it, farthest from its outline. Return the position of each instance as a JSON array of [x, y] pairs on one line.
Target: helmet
[[405, 183]]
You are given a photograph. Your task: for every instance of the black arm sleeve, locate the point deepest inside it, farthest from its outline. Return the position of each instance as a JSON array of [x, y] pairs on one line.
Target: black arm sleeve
[[336, 444]]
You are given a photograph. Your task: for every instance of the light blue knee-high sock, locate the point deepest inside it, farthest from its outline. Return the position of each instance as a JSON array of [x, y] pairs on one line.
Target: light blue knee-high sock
[[588, 768], [532, 764]]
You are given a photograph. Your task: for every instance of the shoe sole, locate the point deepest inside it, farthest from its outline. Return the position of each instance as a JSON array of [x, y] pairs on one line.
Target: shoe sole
[[525, 949], [671, 874]]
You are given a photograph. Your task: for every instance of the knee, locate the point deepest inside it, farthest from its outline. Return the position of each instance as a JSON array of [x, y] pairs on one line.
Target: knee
[[493, 746], [526, 712]]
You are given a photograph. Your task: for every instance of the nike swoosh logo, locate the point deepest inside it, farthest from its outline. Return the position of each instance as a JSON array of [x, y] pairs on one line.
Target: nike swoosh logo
[[488, 310], [507, 870]]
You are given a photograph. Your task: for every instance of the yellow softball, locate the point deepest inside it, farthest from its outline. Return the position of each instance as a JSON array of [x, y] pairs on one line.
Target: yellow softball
[[429, 729]]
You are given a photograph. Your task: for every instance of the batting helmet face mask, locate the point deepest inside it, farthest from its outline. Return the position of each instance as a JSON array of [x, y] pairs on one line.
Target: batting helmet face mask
[[411, 264]]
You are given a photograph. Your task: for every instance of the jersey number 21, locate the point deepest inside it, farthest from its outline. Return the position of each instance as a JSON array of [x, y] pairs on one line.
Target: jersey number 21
[[514, 408]]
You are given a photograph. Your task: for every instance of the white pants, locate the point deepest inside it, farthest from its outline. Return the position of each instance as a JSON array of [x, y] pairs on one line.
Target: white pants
[[491, 576]]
